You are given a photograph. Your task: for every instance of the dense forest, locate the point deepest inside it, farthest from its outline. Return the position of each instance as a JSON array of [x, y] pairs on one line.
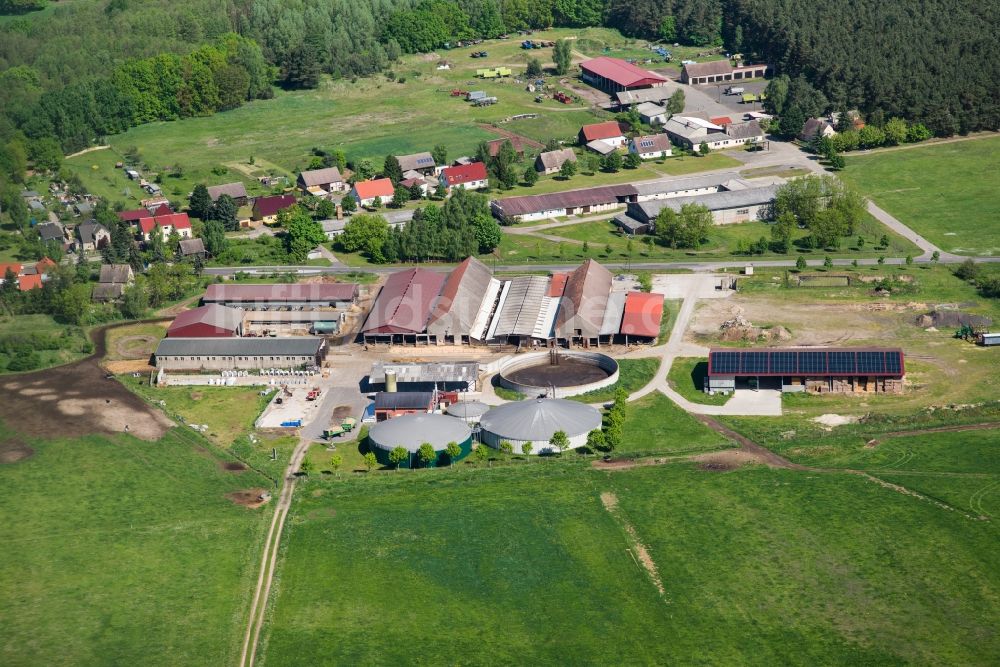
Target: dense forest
[[84, 69]]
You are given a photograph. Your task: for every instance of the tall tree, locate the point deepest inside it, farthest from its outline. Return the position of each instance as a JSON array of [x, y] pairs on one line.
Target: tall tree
[[201, 203], [225, 211], [392, 170], [562, 55]]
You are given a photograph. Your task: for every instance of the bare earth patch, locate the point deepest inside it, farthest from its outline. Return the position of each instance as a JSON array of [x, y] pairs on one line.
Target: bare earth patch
[[728, 459], [249, 498], [639, 550], [232, 466], [832, 420], [12, 451]]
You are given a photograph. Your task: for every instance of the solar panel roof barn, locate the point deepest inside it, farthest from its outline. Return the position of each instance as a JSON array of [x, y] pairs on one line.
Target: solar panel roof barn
[[834, 362]]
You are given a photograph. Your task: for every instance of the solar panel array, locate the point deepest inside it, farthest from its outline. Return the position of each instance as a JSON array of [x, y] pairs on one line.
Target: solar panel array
[[646, 143], [806, 362]]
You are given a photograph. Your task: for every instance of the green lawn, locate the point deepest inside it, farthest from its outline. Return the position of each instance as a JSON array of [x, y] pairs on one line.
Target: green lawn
[[633, 374], [120, 551], [261, 251], [946, 192], [51, 343], [654, 424], [687, 376], [523, 564]]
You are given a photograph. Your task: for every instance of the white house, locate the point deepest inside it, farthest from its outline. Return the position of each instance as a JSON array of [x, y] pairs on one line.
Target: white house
[[468, 176], [366, 192], [651, 146]]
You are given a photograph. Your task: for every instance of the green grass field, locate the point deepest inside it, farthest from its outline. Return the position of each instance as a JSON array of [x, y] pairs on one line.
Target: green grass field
[[63, 343], [524, 564], [945, 192], [655, 425], [633, 374], [686, 377], [119, 551]]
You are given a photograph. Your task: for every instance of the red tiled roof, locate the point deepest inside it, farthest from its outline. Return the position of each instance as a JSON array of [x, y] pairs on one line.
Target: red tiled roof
[[146, 224], [721, 120], [133, 215], [621, 72], [495, 144], [13, 266], [25, 283], [465, 173], [44, 264], [175, 220], [161, 209], [605, 130], [643, 313], [268, 206], [380, 187], [404, 304], [558, 284]]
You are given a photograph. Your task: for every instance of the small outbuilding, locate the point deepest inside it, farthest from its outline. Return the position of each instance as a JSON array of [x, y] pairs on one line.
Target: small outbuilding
[[411, 431], [536, 421]]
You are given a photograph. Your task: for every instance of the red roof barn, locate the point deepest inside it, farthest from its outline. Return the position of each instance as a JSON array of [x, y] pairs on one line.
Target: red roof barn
[[615, 75], [209, 321], [643, 313], [609, 129]]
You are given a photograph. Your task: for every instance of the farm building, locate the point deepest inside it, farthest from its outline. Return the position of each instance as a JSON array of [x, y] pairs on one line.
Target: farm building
[[192, 248], [524, 312], [392, 404], [293, 322], [727, 207], [691, 132], [422, 163], [652, 114], [613, 75], [366, 192], [651, 146], [816, 126], [461, 312], [470, 411], [295, 296], [583, 305], [641, 317], [209, 321], [717, 71], [550, 162], [265, 209], [425, 376], [668, 188], [558, 204], [535, 421], [610, 132], [471, 176], [237, 191], [112, 281], [819, 370], [321, 182], [403, 307], [658, 95], [411, 431], [197, 354]]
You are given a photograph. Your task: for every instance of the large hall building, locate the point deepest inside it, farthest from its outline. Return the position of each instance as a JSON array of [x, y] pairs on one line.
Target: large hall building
[[613, 75]]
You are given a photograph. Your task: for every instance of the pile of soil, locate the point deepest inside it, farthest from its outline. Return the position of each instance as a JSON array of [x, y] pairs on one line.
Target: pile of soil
[[952, 319], [232, 466], [247, 497]]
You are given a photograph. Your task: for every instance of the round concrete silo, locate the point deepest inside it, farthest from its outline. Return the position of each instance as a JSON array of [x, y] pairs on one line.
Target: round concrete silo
[[411, 431], [536, 421]]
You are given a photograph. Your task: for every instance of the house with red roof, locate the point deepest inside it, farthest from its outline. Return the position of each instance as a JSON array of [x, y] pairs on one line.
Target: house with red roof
[[167, 224], [472, 176], [265, 209], [610, 133], [30, 276], [366, 192], [133, 216]]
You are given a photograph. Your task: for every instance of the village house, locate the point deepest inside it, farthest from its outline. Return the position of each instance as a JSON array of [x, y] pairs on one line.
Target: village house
[[52, 231], [265, 209], [603, 137], [366, 192], [192, 248], [321, 182], [470, 177], [550, 162], [651, 146], [92, 236], [28, 276], [692, 131], [237, 191], [167, 224], [421, 163], [112, 282], [816, 126]]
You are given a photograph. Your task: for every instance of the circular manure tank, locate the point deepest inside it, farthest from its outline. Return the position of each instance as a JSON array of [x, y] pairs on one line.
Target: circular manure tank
[[558, 374]]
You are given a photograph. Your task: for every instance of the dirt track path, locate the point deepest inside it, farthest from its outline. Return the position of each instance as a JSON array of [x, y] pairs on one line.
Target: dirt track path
[[985, 426]]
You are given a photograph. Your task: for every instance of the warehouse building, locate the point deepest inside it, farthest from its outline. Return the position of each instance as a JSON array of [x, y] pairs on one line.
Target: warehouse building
[[559, 204], [818, 370], [211, 321], [411, 431], [718, 71], [462, 310], [525, 312], [392, 404], [270, 297], [536, 421], [613, 75], [403, 307], [324, 322], [214, 354], [424, 376], [581, 316], [727, 207]]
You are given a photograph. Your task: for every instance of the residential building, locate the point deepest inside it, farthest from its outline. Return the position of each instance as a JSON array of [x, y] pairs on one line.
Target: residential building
[[51, 231], [422, 163], [470, 176], [691, 132], [816, 126], [167, 225], [192, 248], [92, 236], [651, 146], [265, 209], [237, 191], [366, 192], [27, 276], [613, 75], [321, 182], [113, 280], [727, 207], [550, 162], [610, 132]]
